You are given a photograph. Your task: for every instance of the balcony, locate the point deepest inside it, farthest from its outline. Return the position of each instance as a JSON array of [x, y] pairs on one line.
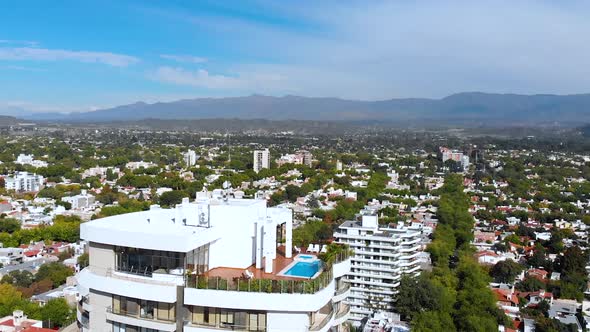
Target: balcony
[[341, 315], [142, 320], [276, 284], [321, 323]]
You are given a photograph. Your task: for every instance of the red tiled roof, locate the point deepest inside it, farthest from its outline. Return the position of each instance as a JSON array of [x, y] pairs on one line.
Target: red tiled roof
[[505, 296], [32, 253]]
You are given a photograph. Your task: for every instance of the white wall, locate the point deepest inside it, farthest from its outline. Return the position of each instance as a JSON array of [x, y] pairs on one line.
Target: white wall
[[259, 301], [287, 321]]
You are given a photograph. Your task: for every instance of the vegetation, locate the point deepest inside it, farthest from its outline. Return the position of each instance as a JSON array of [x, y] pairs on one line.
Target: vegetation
[[457, 297]]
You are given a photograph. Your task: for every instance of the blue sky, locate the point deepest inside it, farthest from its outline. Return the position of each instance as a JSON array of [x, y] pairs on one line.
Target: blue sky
[[82, 55]]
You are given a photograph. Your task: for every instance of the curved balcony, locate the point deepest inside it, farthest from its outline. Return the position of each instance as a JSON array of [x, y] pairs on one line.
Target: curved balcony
[[133, 319], [132, 287], [277, 295], [324, 324], [342, 267], [342, 292], [342, 315]]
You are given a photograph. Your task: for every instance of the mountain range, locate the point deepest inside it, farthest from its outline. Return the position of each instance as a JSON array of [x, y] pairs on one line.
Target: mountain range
[[468, 108]]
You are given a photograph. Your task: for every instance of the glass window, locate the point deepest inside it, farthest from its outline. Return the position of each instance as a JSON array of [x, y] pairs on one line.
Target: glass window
[[228, 318]]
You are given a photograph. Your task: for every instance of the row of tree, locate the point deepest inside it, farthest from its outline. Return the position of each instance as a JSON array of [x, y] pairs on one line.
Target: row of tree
[[455, 296]]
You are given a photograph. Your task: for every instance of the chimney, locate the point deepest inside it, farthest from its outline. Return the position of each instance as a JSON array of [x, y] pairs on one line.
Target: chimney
[[18, 317]]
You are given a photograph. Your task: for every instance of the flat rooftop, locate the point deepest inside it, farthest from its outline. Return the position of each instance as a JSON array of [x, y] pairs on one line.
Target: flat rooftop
[[180, 229]]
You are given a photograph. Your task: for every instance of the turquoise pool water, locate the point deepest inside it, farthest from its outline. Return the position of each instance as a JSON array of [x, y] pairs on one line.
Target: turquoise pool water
[[304, 269], [306, 256]]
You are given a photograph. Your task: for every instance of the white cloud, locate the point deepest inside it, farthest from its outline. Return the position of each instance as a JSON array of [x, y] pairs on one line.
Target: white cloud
[[30, 43], [21, 68], [183, 58], [386, 49], [203, 79], [44, 54]]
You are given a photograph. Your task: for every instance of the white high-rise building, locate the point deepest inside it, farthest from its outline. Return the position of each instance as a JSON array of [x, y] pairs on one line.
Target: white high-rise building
[[382, 256], [190, 158], [24, 181], [261, 159], [209, 265]]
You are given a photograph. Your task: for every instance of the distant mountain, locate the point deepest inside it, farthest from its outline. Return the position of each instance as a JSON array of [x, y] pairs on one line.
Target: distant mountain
[[7, 121], [470, 108]]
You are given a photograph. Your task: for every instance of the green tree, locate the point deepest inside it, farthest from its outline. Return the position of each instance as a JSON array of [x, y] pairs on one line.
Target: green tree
[[171, 198], [54, 271], [57, 313], [18, 278], [9, 225], [505, 271]]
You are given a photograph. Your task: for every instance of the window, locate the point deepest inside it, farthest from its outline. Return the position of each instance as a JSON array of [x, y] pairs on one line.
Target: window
[[143, 308], [166, 311], [228, 318], [120, 327], [146, 262]]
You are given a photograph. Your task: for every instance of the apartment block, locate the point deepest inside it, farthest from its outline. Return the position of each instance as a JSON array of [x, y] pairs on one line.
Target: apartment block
[[261, 160], [217, 263], [24, 181], [381, 257]]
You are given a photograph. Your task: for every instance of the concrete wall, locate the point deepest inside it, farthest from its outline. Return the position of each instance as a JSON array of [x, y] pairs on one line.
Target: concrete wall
[[287, 321], [99, 302], [102, 257]]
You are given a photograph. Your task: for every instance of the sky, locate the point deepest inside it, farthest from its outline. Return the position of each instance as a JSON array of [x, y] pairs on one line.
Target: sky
[[77, 56]]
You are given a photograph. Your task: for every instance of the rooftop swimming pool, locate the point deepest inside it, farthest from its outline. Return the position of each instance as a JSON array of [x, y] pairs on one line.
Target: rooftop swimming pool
[[306, 257], [304, 269]]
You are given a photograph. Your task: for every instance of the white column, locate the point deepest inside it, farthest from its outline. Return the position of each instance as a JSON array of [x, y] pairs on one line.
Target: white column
[[258, 235], [289, 238]]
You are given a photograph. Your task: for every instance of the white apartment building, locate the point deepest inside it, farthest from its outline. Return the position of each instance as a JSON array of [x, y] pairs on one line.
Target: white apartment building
[[27, 159], [261, 159], [24, 181], [133, 165], [215, 264], [381, 257], [190, 158], [81, 201], [302, 157]]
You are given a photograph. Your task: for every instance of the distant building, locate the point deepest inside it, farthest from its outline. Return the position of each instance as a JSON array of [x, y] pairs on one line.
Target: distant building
[[190, 158], [261, 159], [457, 156], [133, 165], [24, 181], [338, 165], [11, 256], [19, 322], [27, 159], [81, 201], [300, 158]]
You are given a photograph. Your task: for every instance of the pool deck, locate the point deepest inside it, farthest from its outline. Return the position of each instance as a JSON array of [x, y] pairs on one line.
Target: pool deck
[[279, 264]]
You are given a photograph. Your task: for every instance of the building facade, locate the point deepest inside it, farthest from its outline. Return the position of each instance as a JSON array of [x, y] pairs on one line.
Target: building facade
[[209, 265], [190, 158], [82, 201], [261, 159], [24, 181], [381, 257]]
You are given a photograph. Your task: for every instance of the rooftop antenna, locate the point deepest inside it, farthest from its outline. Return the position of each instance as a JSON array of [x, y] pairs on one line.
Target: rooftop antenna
[[228, 148]]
